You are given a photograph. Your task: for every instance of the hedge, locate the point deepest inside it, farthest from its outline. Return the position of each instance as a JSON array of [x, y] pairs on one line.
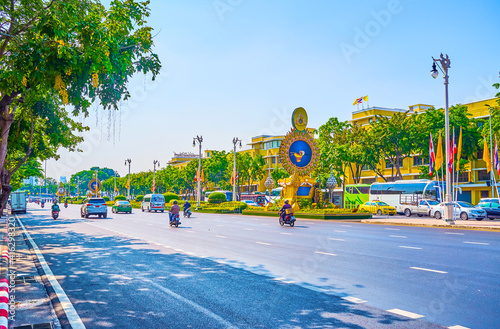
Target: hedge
[[139, 198], [120, 197], [170, 196], [217, 197]]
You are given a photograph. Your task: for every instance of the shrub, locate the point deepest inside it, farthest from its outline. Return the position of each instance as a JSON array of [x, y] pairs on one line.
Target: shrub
[[139, 198], [170, 196], [217, 197], [106, 198], [234, 204], [304, 203], [120, 197]]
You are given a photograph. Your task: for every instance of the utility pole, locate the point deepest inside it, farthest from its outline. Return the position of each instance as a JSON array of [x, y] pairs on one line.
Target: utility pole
[[155, 162], [198, 139], [128, 182], [235, 141]]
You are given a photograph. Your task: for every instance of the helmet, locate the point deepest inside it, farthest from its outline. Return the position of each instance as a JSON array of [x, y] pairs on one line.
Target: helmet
[[286, 201], [175, 201]]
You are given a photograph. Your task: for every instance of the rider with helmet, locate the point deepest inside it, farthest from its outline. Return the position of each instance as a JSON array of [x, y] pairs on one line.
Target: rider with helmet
[[174, 210], [283, 209]]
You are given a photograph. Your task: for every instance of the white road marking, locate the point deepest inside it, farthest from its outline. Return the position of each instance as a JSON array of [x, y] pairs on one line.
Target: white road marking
[[354, 299], [406, 313], [346, 225], [458, 327], [198, 307], [248, 229], [398, 236], [221, 236], [336, 239], [481, 243], [392, 229], [190, 231], [264, 243], [264, 224], [325, 253], [286, 233], [407, 247], [428, 269], [68, 308], [339, 231], [453, 233]]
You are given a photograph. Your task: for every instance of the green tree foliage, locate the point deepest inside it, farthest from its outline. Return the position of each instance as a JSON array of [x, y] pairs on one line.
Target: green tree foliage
[[279, 173], [105, 175], [215, 168], [256, 169]]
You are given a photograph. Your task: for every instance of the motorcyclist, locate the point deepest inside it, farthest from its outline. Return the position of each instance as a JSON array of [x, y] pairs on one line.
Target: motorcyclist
[[186, 207], [283, 209], [55, 207], [65, 203], [174, 210], [42, 203]]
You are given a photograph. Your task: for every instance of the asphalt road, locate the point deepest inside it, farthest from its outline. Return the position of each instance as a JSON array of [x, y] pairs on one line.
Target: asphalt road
[[134, 271]]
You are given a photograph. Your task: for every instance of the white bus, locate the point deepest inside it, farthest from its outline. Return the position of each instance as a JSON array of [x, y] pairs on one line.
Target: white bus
[[404, 192]]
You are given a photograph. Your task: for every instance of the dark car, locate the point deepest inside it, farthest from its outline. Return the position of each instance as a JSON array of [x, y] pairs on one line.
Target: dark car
[[94, 206], [492, 209]]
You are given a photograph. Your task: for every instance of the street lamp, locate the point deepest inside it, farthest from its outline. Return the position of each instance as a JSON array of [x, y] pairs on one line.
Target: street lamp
[[198, 139], [155, 162], [235, 141], [492, 173], [444, 65], [128, 189]]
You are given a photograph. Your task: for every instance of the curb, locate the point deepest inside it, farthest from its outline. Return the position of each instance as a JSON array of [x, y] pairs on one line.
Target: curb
[[459, 227], [4, 274]]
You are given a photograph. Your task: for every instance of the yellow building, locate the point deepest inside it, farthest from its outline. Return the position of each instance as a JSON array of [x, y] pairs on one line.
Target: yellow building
[[181, 160], [474, 181]]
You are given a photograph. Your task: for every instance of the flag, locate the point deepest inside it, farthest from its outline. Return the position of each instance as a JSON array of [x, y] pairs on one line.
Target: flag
[[358, 101], [128, 183], [453, 150], [202, 176], [197, 175], [432, 157], [116, 189], [459, 151], [153, 188], [439, 155], [486, 156], [365, 98], [233, 180], [497, 165]]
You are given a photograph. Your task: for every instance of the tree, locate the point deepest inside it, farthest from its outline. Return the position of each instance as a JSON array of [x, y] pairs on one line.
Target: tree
[[256, 169], [215, 168], [73, 53], [333, 143], [279, 173]]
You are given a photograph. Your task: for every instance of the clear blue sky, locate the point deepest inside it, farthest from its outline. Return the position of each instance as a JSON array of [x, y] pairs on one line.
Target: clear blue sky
[[238, 68]]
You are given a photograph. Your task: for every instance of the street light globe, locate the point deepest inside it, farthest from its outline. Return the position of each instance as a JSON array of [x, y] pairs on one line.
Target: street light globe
[[434, 72]]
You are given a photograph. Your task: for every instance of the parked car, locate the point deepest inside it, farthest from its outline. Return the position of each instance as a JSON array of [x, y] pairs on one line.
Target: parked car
[[492, 208], [94, 206], [122, 206], [250, 203], [420, 208], [378, 207], [497, 200], [461, 209]]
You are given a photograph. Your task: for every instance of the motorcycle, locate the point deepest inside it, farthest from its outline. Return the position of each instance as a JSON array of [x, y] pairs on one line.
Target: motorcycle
[[55, 214], [187, 213], [42, 204], [174, 220], [287, 218], [65, 205]]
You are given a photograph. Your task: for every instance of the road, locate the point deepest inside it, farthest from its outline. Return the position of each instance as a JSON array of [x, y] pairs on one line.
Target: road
[[133, 270]]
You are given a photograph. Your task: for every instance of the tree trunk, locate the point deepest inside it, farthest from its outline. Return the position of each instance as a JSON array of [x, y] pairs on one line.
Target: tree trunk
[[6, 119]]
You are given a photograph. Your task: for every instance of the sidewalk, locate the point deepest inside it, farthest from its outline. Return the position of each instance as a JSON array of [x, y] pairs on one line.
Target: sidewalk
[[33, 307], [485, 224]]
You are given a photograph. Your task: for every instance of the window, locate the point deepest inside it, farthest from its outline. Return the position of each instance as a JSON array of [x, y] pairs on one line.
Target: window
[[419, 161], [368, 181], [463, 177], [480, 154], [365, 167], [388, 164], [483, 175], [480, 124], [485, 194]]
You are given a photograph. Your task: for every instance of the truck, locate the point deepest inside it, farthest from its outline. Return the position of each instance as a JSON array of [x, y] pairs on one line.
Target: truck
[[18, 202], [420, 207]]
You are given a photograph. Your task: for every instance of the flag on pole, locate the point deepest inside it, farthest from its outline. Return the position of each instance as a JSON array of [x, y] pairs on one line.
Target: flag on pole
[[233, 180], [153, 188], [439, 155], [486, 156], [196, 176], [358, 100], [202, 176], [453, 150], [365, 98], [432, 157], [116, 189], [497, 164], [128, 183], [459, 150]]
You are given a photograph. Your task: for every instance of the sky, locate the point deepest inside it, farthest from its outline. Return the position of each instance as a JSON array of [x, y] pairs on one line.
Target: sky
[[238, 68]]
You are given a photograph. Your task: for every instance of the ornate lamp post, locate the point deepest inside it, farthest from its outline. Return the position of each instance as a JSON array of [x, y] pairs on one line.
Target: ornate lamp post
[[269, 184], [198, 139], [155, 162], [444, 65], [492, 173], [331, 182], [235, 141], [128, 189]]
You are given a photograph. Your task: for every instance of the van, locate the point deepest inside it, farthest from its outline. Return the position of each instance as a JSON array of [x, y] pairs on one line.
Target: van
[[154, 202], [18, 202]]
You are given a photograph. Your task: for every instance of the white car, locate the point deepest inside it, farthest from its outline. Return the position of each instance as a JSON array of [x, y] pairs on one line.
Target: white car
[[461, 210], [251, 203]]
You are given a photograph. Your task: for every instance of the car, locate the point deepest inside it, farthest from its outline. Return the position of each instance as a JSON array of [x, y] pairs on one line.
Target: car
[[250, 203], [492, 208], [122, 206], [497, 200], [94, 206], [461, 210], [377, 207]]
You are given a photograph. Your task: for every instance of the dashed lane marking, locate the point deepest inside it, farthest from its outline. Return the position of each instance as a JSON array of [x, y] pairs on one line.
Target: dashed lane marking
[[346, 225], [354, 299], [481, 243], [221, 236], [398, 236], [248, 229], [325, 253], [408, 247], [338, 231], [458, 327], [410, 315], [391, 229], [334, 239], [428, 270], [286, 233], [263, 243], [454, 233]]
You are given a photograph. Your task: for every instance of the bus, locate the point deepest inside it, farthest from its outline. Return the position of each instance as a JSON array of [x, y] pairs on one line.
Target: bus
[[403, 192], [257, 198], [355, 195]]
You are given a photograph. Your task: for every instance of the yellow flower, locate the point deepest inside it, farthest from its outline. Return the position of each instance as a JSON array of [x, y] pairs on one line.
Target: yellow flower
[[24, 81], [95, 79]]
